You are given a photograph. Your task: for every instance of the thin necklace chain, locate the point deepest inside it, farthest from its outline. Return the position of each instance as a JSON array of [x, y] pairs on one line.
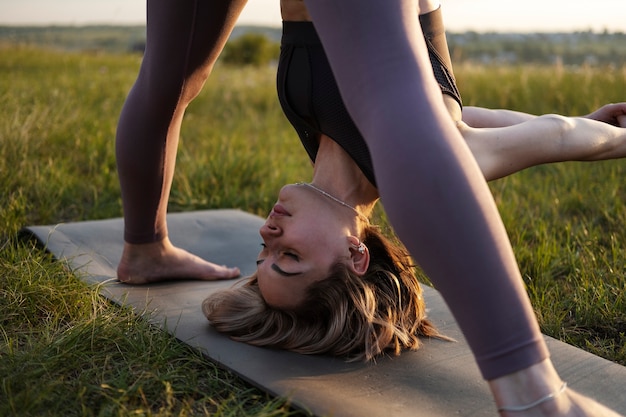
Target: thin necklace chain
[[335, 199]]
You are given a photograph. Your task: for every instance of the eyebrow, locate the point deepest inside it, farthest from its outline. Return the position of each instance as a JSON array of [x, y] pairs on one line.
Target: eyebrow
[[284, 273]]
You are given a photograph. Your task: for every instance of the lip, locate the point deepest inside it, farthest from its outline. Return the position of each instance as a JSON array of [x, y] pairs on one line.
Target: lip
[[279, 210]]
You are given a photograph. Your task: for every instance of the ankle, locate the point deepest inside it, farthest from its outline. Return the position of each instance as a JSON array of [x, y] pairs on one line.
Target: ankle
[[535, 387], [548, 403], [150, 249]]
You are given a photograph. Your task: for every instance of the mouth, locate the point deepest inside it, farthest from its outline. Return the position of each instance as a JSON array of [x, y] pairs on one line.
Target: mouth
[[279, 210]]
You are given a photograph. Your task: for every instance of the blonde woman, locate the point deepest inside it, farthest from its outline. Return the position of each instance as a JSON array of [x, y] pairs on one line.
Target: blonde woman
[[320, 288], [318, 236]]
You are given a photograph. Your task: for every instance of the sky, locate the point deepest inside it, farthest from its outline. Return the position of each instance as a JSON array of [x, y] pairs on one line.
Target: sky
[[459, 15]]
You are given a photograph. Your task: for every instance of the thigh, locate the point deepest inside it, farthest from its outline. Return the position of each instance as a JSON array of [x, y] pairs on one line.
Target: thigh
[[186, 37]]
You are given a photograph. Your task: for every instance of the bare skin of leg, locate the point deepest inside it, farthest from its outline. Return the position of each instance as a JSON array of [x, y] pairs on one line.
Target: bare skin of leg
[[538, 381], [542, 139], [162, 261], [613, 114]]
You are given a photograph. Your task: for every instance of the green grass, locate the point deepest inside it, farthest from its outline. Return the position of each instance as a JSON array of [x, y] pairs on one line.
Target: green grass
[[565, 221], [65, 350]]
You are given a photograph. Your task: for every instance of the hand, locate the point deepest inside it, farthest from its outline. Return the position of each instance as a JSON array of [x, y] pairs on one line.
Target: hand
[[613, 114]]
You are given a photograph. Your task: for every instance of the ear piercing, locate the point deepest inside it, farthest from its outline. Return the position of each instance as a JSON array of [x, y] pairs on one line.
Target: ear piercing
[[359, 248]]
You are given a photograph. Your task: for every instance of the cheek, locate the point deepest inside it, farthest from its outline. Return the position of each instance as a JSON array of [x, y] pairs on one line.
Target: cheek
[[328, 245], [269, 294], [320, 230], [279, 292]]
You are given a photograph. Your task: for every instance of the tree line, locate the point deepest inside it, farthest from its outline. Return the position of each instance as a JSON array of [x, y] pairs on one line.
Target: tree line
[[254, 45]]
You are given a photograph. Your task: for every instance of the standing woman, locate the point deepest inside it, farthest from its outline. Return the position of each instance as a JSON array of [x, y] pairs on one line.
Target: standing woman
[[437, 199], [184, 39]]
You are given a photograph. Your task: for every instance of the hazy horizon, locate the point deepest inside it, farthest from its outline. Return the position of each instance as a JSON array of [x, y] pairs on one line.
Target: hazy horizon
[[459, 15]]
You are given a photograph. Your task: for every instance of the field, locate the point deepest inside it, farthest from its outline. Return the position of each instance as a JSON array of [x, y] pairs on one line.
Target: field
[[66, 351]]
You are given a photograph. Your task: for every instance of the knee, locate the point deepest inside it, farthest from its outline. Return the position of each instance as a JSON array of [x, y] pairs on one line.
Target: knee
[[192, 85], [171, 88], [561, 125]]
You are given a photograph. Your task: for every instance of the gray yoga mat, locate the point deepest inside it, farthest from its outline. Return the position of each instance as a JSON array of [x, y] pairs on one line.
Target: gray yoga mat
[[440, 379]]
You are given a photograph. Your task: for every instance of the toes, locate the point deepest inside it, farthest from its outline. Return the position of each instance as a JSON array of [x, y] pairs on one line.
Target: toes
[[230, 273]]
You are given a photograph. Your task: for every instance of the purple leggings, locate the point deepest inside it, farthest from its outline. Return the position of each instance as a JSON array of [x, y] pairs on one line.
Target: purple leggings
[[184, 39], [432, 189]]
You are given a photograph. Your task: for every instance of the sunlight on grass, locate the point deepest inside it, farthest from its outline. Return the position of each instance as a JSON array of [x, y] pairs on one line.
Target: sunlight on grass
[[63, 346]]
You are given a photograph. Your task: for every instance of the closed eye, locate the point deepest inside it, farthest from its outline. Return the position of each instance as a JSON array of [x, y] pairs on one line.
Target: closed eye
[[278, 269], [284, 273], [287, 254], [292, 256]]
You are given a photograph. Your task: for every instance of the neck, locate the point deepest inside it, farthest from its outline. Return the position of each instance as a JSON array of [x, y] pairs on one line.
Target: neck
[[342, 203], [337, 174]]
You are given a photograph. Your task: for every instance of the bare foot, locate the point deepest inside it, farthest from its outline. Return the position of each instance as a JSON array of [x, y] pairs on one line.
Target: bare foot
[[527, 386], [570, 404], [580, 405], [162, 261]]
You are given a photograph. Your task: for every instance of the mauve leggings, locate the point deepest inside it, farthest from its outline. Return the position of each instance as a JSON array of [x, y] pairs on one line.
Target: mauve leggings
[[184, 39], [432, 188]]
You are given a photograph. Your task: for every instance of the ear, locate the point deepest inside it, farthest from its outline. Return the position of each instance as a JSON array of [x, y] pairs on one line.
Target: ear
[[359, 257]]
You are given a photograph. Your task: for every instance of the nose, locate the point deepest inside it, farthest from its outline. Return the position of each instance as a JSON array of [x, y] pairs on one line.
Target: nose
[[269, 230]]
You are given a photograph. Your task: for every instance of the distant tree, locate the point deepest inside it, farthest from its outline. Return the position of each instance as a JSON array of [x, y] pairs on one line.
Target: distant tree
[[250, 49], [138, 46]]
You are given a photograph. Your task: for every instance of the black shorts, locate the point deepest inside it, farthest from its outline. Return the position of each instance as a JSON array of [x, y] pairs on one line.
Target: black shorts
[[311, 101]]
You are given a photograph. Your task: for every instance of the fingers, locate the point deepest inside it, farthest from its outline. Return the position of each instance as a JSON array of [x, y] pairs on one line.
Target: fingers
[[610, 113]]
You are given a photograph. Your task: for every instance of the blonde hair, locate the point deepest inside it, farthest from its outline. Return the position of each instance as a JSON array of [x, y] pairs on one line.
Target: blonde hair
[[358, 317]]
